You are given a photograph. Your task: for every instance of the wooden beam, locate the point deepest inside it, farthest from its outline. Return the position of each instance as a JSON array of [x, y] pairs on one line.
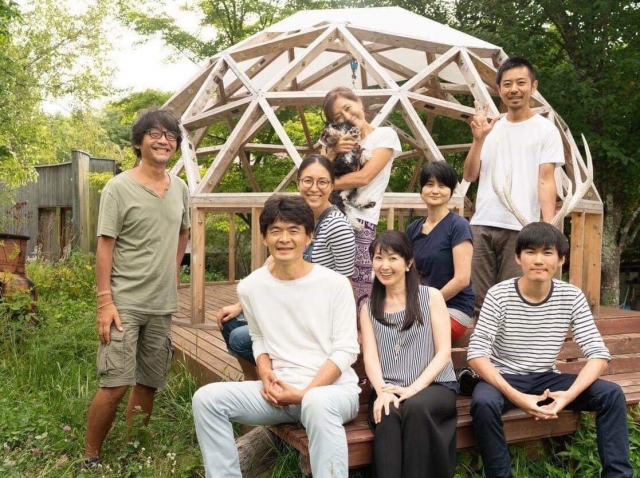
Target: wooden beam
[[415, 174], [210, 86], [287, 180], [360, 53], [407, 138], [222, 112], [487, 72], [281, 43], [189, 161], [181, 99], [394, 66], [303, 119], [258, 249], [405, 41], [323, 72], [197, 264], [252, 71], [246, 164], [232, 247], [445, 108], [282, 80], [386, 110], [303, 98], [419, 130], [240, 75], [177, 168], [216, 171], [282, 134], [432, 70], [475, 82], [585, 266]]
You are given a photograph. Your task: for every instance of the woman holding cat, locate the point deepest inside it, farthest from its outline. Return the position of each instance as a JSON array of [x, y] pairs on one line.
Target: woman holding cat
[[381, 145]]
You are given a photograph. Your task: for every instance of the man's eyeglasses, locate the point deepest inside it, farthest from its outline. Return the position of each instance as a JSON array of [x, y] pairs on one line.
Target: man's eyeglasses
[[156, 133], [309, 182]]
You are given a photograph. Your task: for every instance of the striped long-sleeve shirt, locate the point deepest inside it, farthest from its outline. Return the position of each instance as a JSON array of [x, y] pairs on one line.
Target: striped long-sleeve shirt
[[520, 337], [334, 245]]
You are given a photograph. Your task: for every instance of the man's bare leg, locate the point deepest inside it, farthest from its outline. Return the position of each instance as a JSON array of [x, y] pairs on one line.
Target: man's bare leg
[[101, 415], [140, 403]]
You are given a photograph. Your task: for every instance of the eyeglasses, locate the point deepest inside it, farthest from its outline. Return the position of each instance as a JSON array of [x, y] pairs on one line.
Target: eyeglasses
[[156, 133], [309, 182]]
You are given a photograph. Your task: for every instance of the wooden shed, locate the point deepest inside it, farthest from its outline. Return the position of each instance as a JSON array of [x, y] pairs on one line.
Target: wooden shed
[[403, 62], [60, 208]]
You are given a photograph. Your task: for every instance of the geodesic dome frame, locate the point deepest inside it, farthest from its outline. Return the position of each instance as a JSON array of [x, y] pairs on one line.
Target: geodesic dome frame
[[405, 62]]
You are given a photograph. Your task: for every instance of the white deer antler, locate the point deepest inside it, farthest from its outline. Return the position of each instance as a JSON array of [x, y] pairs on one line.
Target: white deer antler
[[570, 200]]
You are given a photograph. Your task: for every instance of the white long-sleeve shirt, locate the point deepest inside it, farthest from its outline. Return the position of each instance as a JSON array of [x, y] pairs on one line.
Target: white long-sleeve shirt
[[302, 323]]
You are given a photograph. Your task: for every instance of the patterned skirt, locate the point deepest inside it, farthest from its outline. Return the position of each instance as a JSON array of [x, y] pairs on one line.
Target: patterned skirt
[[362, 275]]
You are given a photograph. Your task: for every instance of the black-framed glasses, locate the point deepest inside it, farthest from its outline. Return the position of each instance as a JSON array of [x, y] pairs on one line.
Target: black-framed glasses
[[308, 182], [156, 133]]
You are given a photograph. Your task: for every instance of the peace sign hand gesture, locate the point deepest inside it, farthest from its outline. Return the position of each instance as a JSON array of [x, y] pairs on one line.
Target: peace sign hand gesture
[[480, 125]]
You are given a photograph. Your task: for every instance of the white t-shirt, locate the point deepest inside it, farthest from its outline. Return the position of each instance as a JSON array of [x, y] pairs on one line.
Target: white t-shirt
[[302, 323], [523, 147], [381, 137]]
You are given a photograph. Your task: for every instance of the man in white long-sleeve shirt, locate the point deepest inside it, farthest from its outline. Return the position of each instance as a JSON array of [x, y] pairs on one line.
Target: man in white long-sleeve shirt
[[302, 321], [522, 326]]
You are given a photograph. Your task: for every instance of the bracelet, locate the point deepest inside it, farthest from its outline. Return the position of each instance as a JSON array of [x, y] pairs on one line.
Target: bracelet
[[104, 305], [103, 293]]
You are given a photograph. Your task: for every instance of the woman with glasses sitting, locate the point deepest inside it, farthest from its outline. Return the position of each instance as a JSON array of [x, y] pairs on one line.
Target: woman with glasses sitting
[[333, 246]]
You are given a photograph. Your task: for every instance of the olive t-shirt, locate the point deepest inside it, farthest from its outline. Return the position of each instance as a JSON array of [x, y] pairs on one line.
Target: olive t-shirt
[[146, 228]]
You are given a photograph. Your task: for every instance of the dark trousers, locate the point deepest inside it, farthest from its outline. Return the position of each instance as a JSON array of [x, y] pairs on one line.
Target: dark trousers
[[604, 398], [419, 438]]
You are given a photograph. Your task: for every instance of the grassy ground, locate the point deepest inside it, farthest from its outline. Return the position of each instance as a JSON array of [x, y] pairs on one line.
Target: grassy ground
[[47, 379]]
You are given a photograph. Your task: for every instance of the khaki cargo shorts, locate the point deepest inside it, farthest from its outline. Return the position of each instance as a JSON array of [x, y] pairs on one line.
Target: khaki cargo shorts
[[141, 353]]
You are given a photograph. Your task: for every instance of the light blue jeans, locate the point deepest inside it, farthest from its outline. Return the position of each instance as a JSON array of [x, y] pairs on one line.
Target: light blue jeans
[[323, 412]]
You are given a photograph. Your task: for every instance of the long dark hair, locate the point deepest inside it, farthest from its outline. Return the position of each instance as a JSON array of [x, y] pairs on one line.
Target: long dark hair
[[395, 242]]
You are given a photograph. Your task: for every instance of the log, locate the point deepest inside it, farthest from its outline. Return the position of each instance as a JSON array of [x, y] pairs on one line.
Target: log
[[258, 452]]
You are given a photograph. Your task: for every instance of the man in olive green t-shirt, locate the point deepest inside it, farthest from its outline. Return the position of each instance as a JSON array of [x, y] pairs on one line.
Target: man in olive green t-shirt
[[143, 229]]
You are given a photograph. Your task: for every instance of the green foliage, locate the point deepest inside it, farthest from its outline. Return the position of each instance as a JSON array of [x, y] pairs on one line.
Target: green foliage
[[52, 52], [47, 379]]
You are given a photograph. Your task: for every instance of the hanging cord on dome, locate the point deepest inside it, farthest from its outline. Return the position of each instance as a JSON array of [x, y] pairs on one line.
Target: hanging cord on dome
[[354, 68]]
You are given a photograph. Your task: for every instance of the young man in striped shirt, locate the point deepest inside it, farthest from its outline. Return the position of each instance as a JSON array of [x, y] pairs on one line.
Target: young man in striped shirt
[[514, 347]]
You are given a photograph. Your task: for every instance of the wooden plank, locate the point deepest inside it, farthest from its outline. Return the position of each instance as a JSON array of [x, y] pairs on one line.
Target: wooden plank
[[304, 98], [366, 60], [405, 41], [181, 99], [282, 79], [280, 131], [209, 88], [420, 131], [252, 71], [216, 171], [576, 266], [232, 247], [444, 108], [393, 66], [475, 82], [287, 180], [323, 72], [240, 75], [213, 115], [431, 71], [281, 43], [189, 161], [197, 265], [258, 249], [592, 259], [386, 110]]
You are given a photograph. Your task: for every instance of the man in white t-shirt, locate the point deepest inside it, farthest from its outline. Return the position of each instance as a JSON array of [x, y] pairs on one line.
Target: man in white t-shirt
[[530, 147], [302, 321]]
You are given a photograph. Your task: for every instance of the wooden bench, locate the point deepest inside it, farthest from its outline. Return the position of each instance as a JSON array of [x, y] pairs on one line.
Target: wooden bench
[[622, 337]]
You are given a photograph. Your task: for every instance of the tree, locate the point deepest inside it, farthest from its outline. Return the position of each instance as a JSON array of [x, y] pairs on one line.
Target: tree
[[50, 52], [588, 61]]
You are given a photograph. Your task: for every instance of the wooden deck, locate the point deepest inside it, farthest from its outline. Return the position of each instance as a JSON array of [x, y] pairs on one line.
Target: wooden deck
[[205, 353]]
